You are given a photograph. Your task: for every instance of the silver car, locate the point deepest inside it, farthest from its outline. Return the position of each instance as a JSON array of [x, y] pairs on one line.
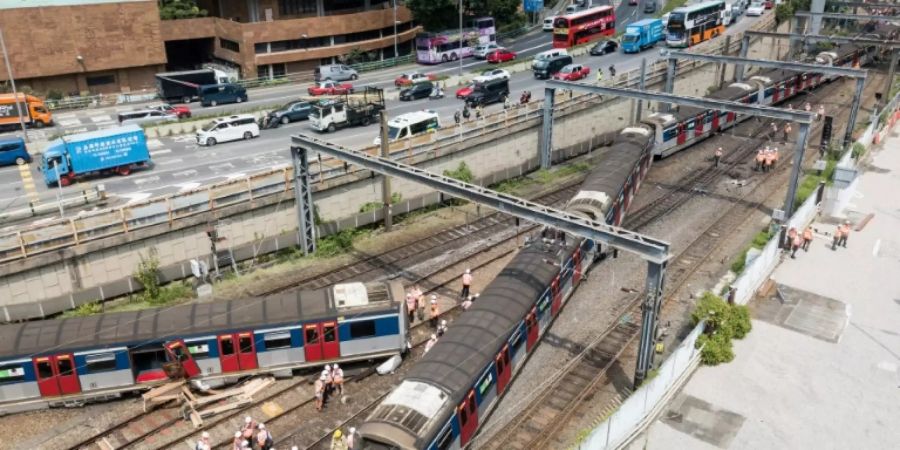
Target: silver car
[[146, 117], [335, 72], [483, 50]]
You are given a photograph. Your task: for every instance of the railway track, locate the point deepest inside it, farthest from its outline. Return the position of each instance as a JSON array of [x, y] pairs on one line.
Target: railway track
[[564, 398]]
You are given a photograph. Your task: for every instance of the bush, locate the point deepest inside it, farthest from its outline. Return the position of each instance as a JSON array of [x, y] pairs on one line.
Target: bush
[[858, 150], [462, 173], [147, 274], [724, 322], [87, 309]]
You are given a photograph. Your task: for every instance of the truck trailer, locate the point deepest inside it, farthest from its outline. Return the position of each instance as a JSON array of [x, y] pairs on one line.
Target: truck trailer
[[34, 111], [115, 150], [642, 34], [351, 110], [185, 86]]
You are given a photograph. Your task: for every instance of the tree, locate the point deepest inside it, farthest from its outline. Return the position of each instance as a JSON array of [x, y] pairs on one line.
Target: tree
[[180, 9]]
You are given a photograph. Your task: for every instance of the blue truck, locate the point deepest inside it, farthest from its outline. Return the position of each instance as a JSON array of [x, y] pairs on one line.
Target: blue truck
[[642, 34], [116, 150]]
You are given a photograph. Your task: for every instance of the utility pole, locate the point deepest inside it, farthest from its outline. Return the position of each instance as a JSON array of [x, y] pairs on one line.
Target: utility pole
[[461, 37], [12, 83], [395, 31], [385, 180]]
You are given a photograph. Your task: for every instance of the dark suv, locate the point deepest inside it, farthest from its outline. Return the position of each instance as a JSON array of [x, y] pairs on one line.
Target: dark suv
[[417, 91], [489, 92]]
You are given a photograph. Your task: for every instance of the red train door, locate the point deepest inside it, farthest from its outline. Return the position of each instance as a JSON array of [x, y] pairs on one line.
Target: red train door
[[468, 419], [576, 265], [776, 94], [798, 83], [531, 329], [503, 369], [228, 355], [715, 121], [557, 298], [179, 352], [681, 134], [56, 375], [246, 351], [729, 117], [312, 342], [698, 125], [331, 345]]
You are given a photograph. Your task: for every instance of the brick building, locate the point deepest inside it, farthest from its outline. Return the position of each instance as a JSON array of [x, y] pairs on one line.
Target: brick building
[[104, 46]]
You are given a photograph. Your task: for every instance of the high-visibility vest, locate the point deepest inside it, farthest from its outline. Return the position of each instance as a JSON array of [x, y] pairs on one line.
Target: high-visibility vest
[[807, 234]]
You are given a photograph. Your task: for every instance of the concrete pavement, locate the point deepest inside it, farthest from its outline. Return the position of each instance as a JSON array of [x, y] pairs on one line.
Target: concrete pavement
[[821, 368]]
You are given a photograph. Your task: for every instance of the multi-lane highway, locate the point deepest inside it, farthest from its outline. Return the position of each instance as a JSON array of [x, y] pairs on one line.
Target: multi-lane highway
[[179, 164]]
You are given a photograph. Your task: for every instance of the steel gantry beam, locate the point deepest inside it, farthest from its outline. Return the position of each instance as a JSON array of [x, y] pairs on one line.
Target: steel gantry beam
[[859, 74], [865, 5], [802, 118], [655, 252], [813, 38], [303, 197], [825, 15]]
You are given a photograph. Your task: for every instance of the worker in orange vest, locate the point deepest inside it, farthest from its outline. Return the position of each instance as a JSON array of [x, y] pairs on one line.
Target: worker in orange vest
[[769, 161], [435, 312], [845, 233], [787, 132], [836, 238], [795, 244], [774, 157], [791, 234], [760, 159], [807, 238], [718, 156]]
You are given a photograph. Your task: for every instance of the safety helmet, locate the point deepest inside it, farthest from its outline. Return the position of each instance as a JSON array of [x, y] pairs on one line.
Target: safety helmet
[[337, 433]]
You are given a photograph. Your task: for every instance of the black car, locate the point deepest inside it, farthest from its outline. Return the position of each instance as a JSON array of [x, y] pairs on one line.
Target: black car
[[650, 6], [417, 91], [604, 47], [489, 92], [292, 112]]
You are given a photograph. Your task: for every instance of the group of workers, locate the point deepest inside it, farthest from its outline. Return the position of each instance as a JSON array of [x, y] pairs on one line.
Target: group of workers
[[796, 240], [251, 435], [330, 381], [766, 158]]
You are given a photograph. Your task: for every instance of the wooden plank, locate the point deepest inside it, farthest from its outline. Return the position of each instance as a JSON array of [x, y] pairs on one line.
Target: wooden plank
[[157, 391], [263, 383], [188, 394], [227, 407]]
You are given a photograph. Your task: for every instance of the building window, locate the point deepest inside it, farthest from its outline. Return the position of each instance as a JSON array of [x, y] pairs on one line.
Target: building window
[[229, 45], [339, 5], [100, 80], [296, 7], [261, 48]]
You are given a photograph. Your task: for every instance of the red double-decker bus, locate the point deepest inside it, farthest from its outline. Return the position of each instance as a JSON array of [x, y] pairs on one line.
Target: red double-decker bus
[[584, 26]]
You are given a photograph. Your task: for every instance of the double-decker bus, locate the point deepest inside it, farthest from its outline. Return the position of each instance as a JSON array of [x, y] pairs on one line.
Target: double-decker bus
[[691, 25], [584, 26], [435, 48]]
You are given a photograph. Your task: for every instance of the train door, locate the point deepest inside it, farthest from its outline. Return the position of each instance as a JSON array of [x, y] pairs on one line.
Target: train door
[[729, 117], [56, 375], [531, 329], [715, 121], [321, 341], [681, 135], [557, 297], [237, 352], [798, 83], [504, 371], [178, 351], [576, 266], [698, 125], [776, 94], [468, 419], [246, 351]]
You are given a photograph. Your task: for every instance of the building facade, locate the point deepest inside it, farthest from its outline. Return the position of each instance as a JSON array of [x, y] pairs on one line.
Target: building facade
[[105, 46]]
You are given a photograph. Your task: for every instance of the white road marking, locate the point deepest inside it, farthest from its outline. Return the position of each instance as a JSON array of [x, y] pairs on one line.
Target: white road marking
[[235, 176], [187, 186], [134, 197], [161, 152], [185, 173], [185, 138], [876, 248], [66, 123], [166, 162], [221, 167], [154, 143], [150, 179], [104, 119]]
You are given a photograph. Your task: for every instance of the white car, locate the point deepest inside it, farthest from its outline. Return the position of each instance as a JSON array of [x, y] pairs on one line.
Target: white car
[[756, 9], [492, 74], [483, 50], [226, 129], [548, 23]]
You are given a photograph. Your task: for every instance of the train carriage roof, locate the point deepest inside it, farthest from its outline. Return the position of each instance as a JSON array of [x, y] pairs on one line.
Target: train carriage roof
[[29, 339], [618, 161]]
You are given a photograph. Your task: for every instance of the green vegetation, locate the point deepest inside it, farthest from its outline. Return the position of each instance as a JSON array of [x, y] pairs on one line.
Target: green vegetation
[[540, 177], [724, 322], [670, 5], [786, 10], [180, 9], [759, 241], [462, 173], [396, 197], [87, 309], [438, 15], [147, 274]]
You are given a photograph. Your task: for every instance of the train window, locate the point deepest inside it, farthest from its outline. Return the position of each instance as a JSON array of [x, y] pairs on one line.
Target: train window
[[362, 329], [227, 345], [246, 343], [516, 340], [329, 333], [277, 340], [11, 374], [472, 406], [463, 417], [545, 302], [445, 438], [312, 335], [100, 363], [198, 350], [44, 369], [486, 381], [65, 366]]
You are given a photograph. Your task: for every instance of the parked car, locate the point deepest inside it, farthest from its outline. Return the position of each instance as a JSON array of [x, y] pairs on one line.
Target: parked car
[[548, 23], [417, 91], [464, 91], [649, 6], [182, 111], [146, 117], [12, 151], [406, 79], [604, 47], [481, 51], [335, 72], [330, 88], [755, 9], [228, 129], [493, 91], [502, 55], [545, 68], [492, 74], [572, 72], [292, 112]]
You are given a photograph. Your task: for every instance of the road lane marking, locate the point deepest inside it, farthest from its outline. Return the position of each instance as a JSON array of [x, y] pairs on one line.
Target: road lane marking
[[154, 143], [149, 179], [187, 186], [185, 173], [161, 152], [876, 248], [166, 162]]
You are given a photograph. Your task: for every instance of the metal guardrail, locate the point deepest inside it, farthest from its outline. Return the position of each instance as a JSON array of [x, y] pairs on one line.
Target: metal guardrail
[[52, 205], [50, 236]]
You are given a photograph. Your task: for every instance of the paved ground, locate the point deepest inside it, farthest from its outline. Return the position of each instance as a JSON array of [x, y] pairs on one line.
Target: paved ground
[[820, 368]]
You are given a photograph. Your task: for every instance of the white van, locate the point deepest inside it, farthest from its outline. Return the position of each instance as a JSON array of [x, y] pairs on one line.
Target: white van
[[548, 23], [226, 129], [411, 124], [548, 55]]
